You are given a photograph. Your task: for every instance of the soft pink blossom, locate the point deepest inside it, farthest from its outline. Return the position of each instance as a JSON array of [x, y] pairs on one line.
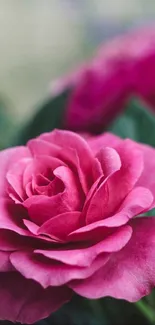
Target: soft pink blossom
[[67, 222], [122, 68]]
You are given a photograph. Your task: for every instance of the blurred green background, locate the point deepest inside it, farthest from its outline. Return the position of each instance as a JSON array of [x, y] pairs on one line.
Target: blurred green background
[[41, 39]]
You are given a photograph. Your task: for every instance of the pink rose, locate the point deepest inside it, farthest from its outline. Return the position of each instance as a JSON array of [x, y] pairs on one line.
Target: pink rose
[[67, 208], [122, 68]]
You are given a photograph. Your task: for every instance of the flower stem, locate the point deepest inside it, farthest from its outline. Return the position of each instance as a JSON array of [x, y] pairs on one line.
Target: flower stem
[[146, 310]]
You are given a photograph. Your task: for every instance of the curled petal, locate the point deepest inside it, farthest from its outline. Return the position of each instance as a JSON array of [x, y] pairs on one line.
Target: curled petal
[[84, 256], [96, 143], [61, 225], [123, 181], [51, 273], [16, 190], [130, 273], [8, 157], [147, 178], [97, 203], [70, 148], [11, 217], [139, 200]]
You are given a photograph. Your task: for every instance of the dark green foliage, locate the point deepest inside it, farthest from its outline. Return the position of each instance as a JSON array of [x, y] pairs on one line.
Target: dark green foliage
[[6, 126], [137, 123], [105, 311], [48, 117]]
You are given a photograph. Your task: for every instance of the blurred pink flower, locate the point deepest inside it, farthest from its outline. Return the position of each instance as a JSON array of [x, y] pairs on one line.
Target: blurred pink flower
[[67, 222], [122, 68]]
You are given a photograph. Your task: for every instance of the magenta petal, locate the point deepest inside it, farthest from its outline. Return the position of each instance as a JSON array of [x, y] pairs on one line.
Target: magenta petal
[[68, 139], [99, 95], [147, 178], [25, 301], [98, 203], [15, 180], [5, 264], [121, 68], [73, 193], [51, 273], [61, 225], [137, 201], [9, 157], [85, 256], [130, 273], [110, 163], [122, 182], [72, 149], [10, 217], [39, 165], [31, 226], [11, 241], [42, 208], [101, 141], [148, 156]]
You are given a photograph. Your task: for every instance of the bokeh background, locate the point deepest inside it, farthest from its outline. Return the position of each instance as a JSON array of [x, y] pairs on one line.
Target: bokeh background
[[41, 39]]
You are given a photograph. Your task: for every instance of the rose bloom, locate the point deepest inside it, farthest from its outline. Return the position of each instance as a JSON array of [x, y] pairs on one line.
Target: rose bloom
[[71, 221], [122, 68]]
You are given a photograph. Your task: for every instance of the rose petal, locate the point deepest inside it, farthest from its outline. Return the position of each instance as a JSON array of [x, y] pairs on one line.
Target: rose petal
[[51, 273], [110, 163], [31, 226], [130, 273], [74, 194], [42, 208], [40, 239], [93, 103], [148, 154], [101, 141], [146, 179], [138, 201], [85, 256], [123, 181], [25, 301], [69, 147], [122, 67], [15, 180], [11, 241], [11, 217], [61, 225], [5, 264], [9, 157], [39, 165]]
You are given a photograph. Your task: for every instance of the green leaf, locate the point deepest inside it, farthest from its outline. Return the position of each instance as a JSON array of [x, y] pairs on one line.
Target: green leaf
[[48, 117], [78, 311], [137, 123], [107, 311], [6, 125], [121, 312]]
